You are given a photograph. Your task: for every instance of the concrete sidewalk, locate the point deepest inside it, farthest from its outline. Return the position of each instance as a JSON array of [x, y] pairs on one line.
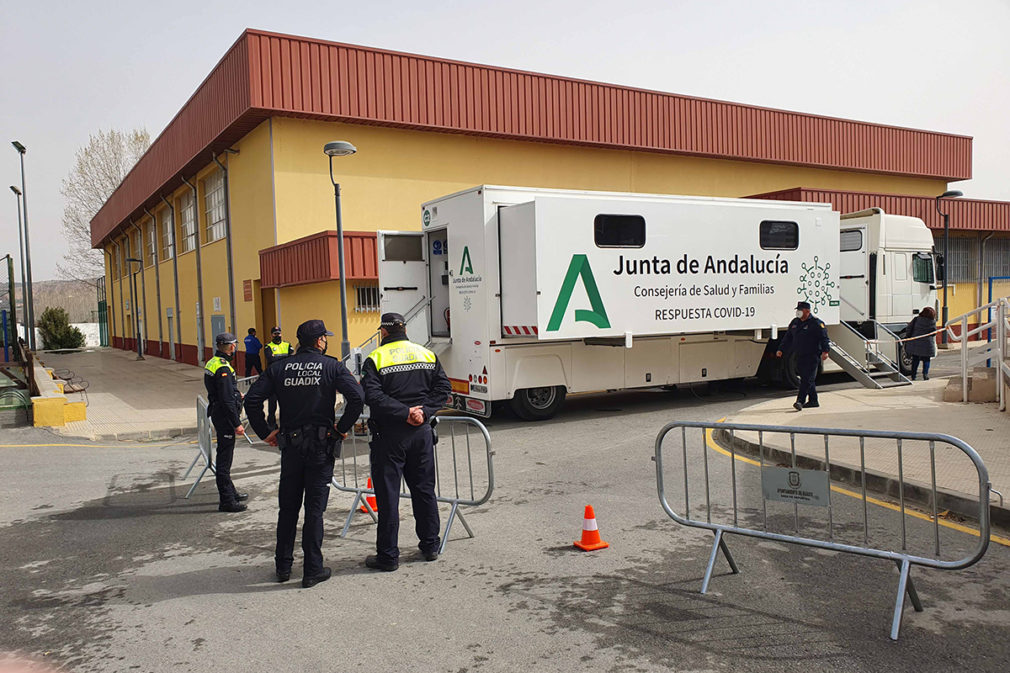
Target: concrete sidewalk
[[131, 399], [915, 408]]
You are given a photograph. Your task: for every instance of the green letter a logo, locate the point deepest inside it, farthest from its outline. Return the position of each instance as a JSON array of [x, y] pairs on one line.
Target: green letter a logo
[[465, 265], [598, 316]]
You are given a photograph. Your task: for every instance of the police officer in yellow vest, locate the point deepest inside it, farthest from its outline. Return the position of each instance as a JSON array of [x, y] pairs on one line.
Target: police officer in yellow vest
[[276, 349], [405, 387], [225, 408]]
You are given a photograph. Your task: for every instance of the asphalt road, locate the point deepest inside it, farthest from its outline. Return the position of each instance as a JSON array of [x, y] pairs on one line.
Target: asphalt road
[[107, 568]]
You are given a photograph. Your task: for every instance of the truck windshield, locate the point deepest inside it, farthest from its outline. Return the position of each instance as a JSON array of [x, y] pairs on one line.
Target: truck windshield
[[922, 268]]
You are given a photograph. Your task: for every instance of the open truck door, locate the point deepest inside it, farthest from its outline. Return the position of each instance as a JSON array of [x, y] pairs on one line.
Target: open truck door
[[403, 280], [855, 275]]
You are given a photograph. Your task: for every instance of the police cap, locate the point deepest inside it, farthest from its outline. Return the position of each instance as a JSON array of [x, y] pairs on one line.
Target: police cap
[[275, 330], [391, 321], [310, 330], [225, 338], [803, 305]]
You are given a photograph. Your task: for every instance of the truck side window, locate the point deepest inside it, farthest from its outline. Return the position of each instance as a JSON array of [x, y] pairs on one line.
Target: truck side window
[[778, 235], [922, 268], [851, 240], [619, 231], [403, 248]]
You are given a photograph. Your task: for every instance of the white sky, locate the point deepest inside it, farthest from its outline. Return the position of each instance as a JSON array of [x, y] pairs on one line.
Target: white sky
[[70, 68]]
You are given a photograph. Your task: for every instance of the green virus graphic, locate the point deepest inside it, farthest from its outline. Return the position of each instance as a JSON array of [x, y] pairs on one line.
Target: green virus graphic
[[816, 285]]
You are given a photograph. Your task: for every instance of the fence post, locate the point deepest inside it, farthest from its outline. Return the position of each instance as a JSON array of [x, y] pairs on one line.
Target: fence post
[[964, 359]]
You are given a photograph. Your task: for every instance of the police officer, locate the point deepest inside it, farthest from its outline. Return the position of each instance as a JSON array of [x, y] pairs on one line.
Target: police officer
[[809, 338], [404, 388], [306, 385], [225, 408], [276, 349]]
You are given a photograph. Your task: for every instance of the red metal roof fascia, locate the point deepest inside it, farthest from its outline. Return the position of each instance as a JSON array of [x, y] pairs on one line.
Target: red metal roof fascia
[[219, 102], [314, 259], [965, 214], [302, 77]]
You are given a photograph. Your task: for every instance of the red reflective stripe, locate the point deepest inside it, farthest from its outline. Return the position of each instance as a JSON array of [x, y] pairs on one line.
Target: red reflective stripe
[[535, 329], [526, 329]]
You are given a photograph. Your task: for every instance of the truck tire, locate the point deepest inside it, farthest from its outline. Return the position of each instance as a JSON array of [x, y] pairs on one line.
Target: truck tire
[[537, 404], [789, 378]]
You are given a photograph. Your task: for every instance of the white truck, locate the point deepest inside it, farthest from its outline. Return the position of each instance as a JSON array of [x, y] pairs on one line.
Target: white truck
[[528, 295]]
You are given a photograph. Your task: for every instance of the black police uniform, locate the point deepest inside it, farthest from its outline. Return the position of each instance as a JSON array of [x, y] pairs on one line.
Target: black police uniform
[[225, 404], [275, 351], [809, 338], [396, 376], [306, 385]]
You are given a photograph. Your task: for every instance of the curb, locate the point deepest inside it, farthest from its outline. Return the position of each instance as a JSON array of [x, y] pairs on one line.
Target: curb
[[136, 435], [878, 482]]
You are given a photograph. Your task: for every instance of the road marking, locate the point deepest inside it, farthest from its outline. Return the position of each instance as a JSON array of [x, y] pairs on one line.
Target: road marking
[[853, 494]]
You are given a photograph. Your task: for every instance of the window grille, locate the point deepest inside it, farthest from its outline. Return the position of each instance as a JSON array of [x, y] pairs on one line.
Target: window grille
[[997, 257], [214, 205], [167, 234], [187, 222], [367, 298], [962, 267]]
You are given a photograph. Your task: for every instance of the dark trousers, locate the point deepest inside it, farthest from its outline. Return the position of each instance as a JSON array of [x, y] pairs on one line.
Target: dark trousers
[[916, 359], [806, 367], [409, 453], [306, 471], [222, 463], [253, 362]]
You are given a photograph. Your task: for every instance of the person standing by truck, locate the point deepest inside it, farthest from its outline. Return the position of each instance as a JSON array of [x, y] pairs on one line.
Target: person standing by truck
[[808, 336], [276, 349], [922, 345], [405, 387]]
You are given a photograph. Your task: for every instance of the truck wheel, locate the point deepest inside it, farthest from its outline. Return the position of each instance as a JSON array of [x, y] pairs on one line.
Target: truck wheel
[[537, 404], [788, 377]]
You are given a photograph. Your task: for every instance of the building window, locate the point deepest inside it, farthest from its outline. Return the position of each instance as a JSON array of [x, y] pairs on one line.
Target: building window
[[367, 298], [962, 266], [997, 258], [187, 222], [167, 234], [776, 235], [619, 231], [123, 256], [151, 232], [214, 205], [136, 249]]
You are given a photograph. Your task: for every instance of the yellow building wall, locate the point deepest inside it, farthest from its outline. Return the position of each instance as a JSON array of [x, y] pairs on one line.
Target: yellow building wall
[[395, 170], [322, 301]]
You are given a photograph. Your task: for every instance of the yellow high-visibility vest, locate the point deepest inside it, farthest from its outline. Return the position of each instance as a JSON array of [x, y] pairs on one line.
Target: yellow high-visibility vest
[[215, 364], [400, 356], [279, 350]]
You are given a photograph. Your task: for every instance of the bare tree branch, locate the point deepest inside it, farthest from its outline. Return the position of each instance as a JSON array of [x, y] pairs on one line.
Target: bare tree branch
[[99, 169]]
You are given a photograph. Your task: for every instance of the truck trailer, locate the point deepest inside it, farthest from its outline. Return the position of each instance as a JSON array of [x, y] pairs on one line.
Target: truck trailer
[[528, 295]]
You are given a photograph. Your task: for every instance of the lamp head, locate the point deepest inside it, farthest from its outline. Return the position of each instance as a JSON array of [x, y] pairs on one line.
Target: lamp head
[[950, 194], [133, 259], [339, 148], [15, 190], [18, 146]]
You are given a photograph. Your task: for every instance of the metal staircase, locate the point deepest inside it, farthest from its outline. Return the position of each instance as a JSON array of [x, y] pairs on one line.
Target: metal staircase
[[872, 362]]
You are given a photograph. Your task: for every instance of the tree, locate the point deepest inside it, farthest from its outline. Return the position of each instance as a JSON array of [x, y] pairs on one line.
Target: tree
[[56, 331], [99, 168]]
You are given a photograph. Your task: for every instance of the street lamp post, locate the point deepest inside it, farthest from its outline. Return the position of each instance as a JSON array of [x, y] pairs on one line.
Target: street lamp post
[[946, 256], [24, 288], [28, 248], [340, 148], [136, 312]]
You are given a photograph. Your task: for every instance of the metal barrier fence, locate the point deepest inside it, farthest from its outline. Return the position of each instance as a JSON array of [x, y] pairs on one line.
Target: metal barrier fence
[[811, 485], [464, 474], [205, 447]]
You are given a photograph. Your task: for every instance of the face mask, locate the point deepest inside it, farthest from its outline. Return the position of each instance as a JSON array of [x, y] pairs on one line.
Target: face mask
[[326, 344], [799, 313]]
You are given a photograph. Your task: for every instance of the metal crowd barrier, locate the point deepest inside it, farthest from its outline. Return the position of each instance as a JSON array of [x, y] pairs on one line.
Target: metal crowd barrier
[[205, 446], [811, 485], [464, 473]]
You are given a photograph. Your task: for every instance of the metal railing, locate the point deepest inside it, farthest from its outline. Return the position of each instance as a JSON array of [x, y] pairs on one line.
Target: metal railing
[[806, 480], [993, 318], [205, 447], [464, 474]]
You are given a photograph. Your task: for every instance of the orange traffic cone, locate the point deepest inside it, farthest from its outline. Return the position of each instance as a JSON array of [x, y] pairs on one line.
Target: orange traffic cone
[[590, 533], [369, 499]]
